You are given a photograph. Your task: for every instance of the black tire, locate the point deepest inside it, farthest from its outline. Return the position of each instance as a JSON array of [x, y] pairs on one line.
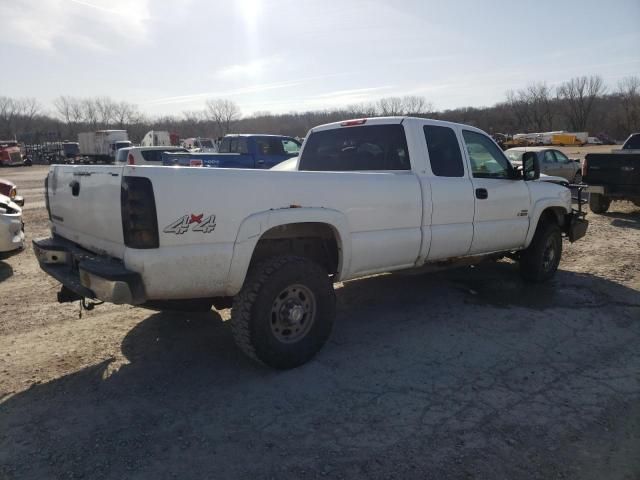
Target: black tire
[[539, 262], [578, 178], [254, 323], [599, 203]]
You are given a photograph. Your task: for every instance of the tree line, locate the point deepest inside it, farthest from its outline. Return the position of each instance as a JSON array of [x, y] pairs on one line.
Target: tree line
[[579, 104]]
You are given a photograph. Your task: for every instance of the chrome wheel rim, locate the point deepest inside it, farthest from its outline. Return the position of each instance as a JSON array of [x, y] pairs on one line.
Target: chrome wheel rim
[[549, 254], [293, 313]]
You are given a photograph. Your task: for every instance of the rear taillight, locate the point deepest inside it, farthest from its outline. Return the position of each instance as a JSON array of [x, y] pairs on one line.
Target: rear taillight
[[584, 168], [46, 196], [131, 160], [139, 219]]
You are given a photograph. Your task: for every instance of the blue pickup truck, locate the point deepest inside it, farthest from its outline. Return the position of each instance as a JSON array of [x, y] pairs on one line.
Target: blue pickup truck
[[239, 151]]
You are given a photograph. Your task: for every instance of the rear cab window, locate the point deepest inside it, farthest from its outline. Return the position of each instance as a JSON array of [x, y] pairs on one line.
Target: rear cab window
[[361, 148], [444, 151], [632, 143]]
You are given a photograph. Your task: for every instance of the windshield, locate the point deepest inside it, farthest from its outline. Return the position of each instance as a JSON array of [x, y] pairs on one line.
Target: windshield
[[206, 143], [514, 156]]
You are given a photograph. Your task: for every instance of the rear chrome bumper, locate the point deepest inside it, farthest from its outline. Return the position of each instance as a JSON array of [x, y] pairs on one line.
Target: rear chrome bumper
[[87, 274]]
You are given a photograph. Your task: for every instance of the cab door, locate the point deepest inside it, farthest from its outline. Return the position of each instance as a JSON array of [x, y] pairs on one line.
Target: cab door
[[451, 194], [501, 217]]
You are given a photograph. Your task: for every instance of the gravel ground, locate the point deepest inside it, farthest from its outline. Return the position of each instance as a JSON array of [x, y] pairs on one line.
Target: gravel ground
[[468, 373]]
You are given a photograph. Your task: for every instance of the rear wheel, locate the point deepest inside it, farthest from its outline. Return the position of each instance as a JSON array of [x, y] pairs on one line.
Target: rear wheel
[[285, 311], [599, 203], [539, 262]]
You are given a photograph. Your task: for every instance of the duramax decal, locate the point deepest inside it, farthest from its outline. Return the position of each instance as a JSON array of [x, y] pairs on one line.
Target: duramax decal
[[193, 222]]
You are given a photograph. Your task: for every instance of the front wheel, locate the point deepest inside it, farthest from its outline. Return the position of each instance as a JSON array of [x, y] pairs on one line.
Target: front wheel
[[285, 311], [578, 178], [539, 262], [599, 203]]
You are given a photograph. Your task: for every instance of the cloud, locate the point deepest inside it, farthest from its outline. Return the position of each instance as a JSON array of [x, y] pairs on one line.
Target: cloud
[[249, 69], [223, 93], [51, 24]]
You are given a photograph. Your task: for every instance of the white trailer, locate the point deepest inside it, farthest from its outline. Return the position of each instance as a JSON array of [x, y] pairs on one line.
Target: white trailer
[[102, 145], [156, 138]]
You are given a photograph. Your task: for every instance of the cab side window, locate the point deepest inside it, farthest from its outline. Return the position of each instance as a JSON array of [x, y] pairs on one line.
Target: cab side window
[[444, 151], [487, 160], [549, 157]]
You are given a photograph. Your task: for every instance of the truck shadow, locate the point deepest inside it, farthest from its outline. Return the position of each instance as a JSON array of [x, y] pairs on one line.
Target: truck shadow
[[624, 219], [188, 403]]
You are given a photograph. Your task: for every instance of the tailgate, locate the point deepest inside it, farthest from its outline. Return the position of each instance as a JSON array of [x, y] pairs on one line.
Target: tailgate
[[84, 202], [612, 169]]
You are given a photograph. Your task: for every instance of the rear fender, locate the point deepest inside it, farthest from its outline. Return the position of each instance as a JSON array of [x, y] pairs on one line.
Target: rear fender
[[254, 226]]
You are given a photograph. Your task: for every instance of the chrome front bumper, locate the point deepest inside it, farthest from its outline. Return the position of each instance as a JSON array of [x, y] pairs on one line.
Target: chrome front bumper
[[87, 274]]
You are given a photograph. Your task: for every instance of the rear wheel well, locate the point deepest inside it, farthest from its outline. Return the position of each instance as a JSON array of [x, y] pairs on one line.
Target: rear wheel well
[[316, 241]]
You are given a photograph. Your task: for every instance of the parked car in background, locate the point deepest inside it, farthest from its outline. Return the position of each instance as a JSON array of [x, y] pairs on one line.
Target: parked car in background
[[552, 162], [241, 151], [144, 155], [11, 227], [8, 189]]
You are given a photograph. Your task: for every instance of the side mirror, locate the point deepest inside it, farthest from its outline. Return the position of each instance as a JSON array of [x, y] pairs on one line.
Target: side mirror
[[530, 166]]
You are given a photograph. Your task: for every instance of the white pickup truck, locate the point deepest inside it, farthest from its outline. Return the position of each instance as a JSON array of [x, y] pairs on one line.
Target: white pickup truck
[[368, 196]]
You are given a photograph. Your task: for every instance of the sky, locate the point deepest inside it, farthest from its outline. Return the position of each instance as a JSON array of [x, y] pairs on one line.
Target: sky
[[169, 57]]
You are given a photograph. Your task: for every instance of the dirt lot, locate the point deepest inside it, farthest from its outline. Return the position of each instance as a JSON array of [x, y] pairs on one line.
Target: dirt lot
[[464, 374]]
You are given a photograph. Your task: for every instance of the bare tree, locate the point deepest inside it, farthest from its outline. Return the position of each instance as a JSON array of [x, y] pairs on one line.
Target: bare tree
[[539, 98], [90, 114], [415, 105], [629, 94], [8, 113], [390, 106], [578, 96], [105, 108], [520, 109], [223, 112], [62, 105]]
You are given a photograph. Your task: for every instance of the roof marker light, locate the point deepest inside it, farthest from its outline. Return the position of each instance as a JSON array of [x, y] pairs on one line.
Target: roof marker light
[[351, 123]]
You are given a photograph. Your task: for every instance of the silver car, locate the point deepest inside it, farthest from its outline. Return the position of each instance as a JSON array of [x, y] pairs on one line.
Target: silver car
[[552, 162]]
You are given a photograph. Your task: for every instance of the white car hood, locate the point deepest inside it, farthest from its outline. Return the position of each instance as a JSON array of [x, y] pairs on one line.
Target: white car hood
[[4, 200], [552, 179]]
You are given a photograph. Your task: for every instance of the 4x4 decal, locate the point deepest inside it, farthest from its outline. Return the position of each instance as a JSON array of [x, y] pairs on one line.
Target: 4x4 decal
[[193, 222]]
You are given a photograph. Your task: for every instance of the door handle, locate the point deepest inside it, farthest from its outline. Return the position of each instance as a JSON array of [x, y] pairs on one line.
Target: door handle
[[75, 188], [481, 193]]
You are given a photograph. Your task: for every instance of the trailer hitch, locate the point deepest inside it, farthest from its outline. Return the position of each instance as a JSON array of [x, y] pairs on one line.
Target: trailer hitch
[[66, 295]]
